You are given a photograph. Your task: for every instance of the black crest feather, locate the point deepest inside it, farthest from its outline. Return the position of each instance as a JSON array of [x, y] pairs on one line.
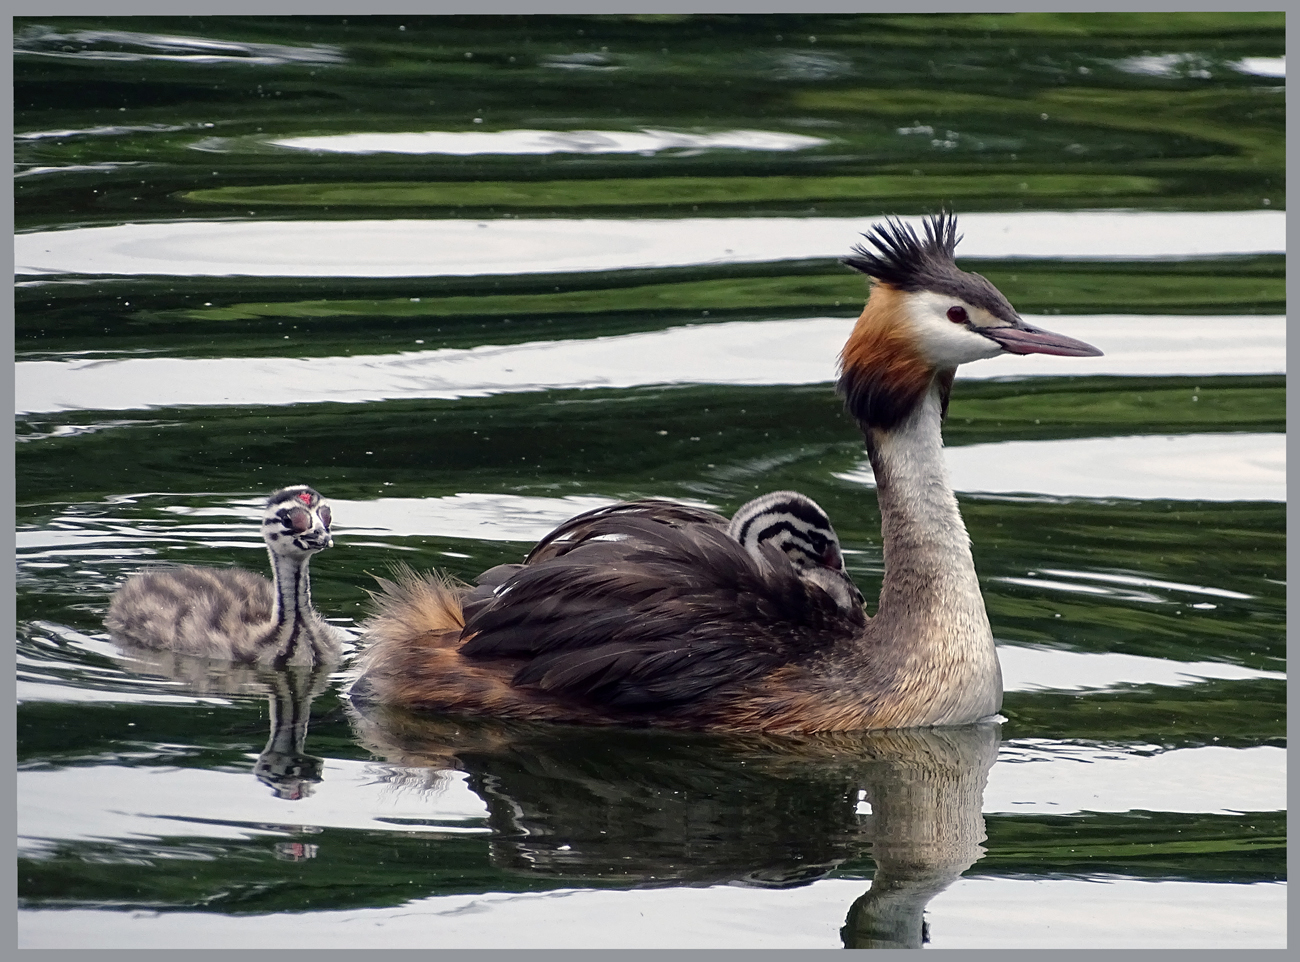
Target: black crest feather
[[902, 258]]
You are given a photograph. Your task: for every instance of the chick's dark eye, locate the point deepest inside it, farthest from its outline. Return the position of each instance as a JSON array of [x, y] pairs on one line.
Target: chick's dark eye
[[298, 519], [324, 513], [958, 314]]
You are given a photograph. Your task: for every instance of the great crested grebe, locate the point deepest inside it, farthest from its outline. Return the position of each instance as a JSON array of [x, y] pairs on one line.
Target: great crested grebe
[[677, 625], [232, 614]]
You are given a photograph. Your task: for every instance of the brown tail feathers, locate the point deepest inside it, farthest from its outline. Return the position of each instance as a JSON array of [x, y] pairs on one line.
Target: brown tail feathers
[[411, 604]]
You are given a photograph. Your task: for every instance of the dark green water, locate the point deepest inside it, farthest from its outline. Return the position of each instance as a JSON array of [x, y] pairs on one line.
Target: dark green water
[[210, 306]]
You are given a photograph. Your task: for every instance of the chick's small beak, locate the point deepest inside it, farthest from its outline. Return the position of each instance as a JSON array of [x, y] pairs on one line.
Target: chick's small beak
[[1024, 338]]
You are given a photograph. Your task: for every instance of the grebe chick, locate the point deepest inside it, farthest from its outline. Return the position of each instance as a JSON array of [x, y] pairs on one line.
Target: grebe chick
[[679, 626], [796, 525], [232, 614]]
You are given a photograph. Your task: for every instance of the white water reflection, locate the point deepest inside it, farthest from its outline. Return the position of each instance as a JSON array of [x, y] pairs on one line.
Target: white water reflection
[[1199, 66], [468, 515], [211, 803], [1194, 467], [34, 686], [739, 352], [108, 130], [580, 61], [1168, 65], [1121, 587], [1262, 66], [482, 517], [975, 912], [1042, 776], [105, 167], [1187, 467], [1139, 581], [422, 248], [467, 143], [1104, 913], [44, 41], [1041, 669], [1031, 777]]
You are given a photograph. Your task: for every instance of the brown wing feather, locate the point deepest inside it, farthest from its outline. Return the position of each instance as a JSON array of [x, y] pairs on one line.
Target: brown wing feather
[[663, 614], [605, 520]]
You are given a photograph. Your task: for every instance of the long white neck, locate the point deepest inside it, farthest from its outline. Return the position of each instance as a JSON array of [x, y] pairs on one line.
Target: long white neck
[[931, 616], [290, 642]]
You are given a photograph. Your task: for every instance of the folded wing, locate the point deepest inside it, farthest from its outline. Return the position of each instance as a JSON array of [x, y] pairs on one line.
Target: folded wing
[[649, 603]]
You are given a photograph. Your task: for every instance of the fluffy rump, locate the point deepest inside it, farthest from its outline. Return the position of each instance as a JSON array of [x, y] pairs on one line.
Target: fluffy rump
[[409, 605]]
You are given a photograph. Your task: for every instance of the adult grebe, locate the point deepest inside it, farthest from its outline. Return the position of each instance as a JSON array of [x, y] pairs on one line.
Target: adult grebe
[[232, 614], [673, 623]]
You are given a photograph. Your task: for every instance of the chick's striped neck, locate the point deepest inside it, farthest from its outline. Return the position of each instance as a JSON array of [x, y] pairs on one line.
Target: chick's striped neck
[[292, 587]]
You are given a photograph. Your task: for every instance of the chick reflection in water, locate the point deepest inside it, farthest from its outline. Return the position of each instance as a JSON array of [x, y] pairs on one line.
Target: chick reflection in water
[[645, 808], [283, 765]]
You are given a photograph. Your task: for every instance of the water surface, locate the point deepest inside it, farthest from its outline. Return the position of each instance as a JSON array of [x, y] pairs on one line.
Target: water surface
[[471, 276]]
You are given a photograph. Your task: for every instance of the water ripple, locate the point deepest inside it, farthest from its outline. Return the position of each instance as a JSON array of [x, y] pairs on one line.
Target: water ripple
[[1042, 669], [470, 142], [1189, 467], [428, 248], [739, 352]]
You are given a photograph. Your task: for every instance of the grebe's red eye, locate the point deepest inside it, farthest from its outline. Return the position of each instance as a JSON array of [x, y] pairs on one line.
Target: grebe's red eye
[[958, 315], [324, 513]]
